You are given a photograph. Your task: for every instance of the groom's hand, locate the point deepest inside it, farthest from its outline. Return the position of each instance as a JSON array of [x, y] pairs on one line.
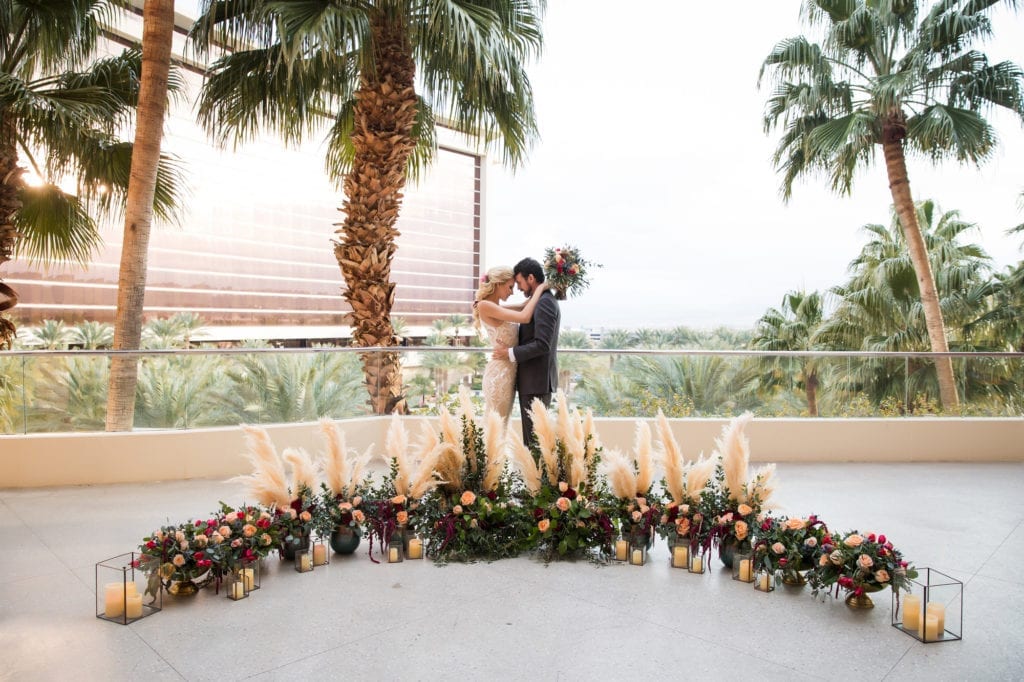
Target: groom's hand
[[500, 352]]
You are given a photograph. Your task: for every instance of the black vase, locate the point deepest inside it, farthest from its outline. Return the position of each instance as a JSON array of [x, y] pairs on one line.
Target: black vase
[[345, 540], [727, 549]]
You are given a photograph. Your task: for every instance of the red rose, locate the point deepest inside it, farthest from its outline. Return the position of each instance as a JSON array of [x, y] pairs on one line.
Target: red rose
[[198, 523], [199, 555], [881, 539], [767, 525], [859, 591], [212, 522], [492, 496], [538, 513], [871, 537], [882, 551], [903, 564], [783, 562], [570, 493], [150, 545], [888, 545]]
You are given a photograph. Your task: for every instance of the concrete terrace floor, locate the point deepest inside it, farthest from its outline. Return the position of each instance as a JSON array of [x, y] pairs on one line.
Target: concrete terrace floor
[[519, 619]]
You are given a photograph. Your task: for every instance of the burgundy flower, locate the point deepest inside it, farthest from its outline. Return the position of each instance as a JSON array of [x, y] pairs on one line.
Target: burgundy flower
[[199, 555], [150, 545], [492, 495], [859, 591], [570, 493], [871, 537], [767, 525], [903, 564], [783, 562], [538, 513], [198, 523], [881, 539]]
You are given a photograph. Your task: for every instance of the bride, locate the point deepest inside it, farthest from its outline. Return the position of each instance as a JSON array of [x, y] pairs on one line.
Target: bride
[[502, 326]]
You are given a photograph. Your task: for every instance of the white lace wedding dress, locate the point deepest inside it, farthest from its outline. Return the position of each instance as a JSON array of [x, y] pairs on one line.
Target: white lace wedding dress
[[500, 375]]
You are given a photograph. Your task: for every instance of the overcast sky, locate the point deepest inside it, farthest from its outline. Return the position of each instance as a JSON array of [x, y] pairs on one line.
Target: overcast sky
[[653, 162]]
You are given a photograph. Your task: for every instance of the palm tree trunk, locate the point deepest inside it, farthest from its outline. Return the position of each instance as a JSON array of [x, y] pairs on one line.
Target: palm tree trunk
[[10, 187], [893, 133], [157, 29], [385, 112]]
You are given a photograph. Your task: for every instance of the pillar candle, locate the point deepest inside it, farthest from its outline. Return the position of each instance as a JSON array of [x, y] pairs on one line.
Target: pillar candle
[[638, 558], [304, 562], [392, 554], [745, 570], [114, 596], [415, 548], [319, 555], [249, 579], [621, 548], [680, 556], [911, 612], [766, 582], [133, 606], [936, 609], [237, 590], [931, 628], [696, 564]]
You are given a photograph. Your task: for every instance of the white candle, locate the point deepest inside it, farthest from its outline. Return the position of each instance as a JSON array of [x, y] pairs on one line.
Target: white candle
[[680, 556], [745, 570], [133, 606], [114, 596], [696, 564], [937, 610], [911, 612], [249, 579], [766, 582], [237, 590], [621, 548], [638, 558], [304, 562], [319, 555], [931, 628], [415, 548], [392, 554]]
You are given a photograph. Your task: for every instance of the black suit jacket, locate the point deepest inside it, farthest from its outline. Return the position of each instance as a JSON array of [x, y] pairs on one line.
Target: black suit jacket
[[536, 360]]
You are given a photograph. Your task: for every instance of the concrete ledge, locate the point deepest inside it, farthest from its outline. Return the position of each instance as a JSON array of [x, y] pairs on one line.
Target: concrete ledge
[[97, 458]]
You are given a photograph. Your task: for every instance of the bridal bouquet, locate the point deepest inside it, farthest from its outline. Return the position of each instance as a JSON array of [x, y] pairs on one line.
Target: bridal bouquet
[[566, 270]]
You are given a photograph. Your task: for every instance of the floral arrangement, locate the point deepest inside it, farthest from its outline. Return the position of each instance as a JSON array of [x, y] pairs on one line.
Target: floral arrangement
[[342, 493], [687, 485], [242, 536], [635, 510], [859, 564], [789, 545], [566, 270], [563, 488], [181, 553]]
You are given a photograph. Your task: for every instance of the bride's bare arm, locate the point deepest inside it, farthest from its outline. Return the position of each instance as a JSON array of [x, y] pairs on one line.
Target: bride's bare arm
[[520, 314]]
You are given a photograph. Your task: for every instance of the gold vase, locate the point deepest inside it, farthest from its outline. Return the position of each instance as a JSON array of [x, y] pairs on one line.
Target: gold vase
[[183, 588], [794, 578], [863, 601]]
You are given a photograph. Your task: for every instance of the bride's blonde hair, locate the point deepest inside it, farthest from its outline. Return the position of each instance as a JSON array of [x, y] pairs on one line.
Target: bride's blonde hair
[[495, 277]]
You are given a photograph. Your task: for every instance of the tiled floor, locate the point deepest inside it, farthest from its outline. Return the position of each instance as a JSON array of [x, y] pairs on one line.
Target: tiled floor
[[519, 619]]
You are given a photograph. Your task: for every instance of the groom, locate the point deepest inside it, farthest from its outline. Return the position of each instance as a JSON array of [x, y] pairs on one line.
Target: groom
[[536, 363]]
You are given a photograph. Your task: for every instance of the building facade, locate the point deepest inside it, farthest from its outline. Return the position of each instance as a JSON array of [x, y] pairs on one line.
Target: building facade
[[253, 255]]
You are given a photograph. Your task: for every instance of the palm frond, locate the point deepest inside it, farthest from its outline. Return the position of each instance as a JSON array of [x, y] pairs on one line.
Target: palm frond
[[54, 226]]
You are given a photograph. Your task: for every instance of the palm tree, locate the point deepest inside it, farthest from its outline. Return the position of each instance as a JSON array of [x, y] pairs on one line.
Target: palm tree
[[60, 114], [157, 31], [50, 335], [571, 364], [353, 64], [880, 309], [883, 76], [792, 328], [92, 335]]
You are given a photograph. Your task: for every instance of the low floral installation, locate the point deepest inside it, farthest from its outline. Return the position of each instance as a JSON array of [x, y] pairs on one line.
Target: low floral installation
[[567, 271], [344, 488], [635, 510], [568, 498], [789, 545], [247, 534], [180, 554], [687, 485], [859, 564]]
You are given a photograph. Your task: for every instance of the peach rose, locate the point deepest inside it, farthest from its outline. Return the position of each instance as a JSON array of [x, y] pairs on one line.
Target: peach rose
[[306, 517], [864, 561], [741, 529], [725, 518], [248, 530], [224, 531], [183, 545], [562, 486], [836, 558], [543, 525], [823, 560], [398, 499], [853, 541], [402, 517], [637, 516], [779, 548], [563, 503], [231, 517], [179, 536], [468, 498], [684, 509], [265, 539], [811, 542], [357, 500], [473, 523], [457, 509], [882, 576], [178, 560], [359, 516], [345, 506], [642, 501], [292, 514], [237, 542], [744, 509], [201, 540], [795, 524], [264, 515], [217, 538], [683, 526]]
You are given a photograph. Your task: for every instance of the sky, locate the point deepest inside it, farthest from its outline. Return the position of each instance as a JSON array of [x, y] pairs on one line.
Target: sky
[[653, 162]]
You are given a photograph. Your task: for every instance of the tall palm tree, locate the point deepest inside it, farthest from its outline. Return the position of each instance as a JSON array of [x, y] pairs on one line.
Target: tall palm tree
[[792, 327], [157, 31], [59, 114], [92, 335], [353, 64], [886, 77]]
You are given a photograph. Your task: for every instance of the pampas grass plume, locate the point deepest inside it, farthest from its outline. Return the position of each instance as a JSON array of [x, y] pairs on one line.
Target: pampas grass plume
[[335, 462], [267, 483], [620, 474], [734, 449], [523, 458], [672, 460], [644, 459], [303, 469]]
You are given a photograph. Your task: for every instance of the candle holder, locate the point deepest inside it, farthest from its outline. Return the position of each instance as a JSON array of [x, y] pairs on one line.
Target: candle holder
[[621, 549], [697, 563], [680, 549], [234, 585], [121, 588], [396, 551], [764, 580], [638, 550], [414, 550], [933, 611], [321, 557], [304, 560], [251, 575], [743, 567]]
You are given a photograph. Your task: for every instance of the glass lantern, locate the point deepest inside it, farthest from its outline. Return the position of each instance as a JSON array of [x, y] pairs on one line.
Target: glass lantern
[[933, 611], [251, 575], [321, 557], [637, 549], [396, 553], [234, 585], [621, 548], [121, 588], [679, 546], [414, 549], [764, 580], [697, 563], [743, 566], [304, 560]]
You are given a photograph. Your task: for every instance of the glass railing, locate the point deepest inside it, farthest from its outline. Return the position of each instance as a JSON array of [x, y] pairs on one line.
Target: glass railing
[[66, 391]]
